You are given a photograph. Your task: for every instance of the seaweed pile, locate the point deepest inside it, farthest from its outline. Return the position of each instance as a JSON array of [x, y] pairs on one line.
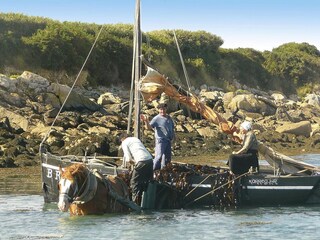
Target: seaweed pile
[[187, 179]]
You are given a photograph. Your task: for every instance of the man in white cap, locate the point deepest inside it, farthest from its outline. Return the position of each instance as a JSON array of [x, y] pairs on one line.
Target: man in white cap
[[240, 161]]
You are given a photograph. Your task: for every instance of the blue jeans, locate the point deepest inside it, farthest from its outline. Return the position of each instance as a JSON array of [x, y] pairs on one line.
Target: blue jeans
[[162, 153]]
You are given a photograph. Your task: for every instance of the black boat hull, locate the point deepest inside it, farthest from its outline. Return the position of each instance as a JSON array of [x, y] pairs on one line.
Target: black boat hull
[[271, 190], [251, 190]]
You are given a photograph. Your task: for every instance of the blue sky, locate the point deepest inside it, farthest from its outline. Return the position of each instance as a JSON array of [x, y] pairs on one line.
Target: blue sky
[[258, 24]]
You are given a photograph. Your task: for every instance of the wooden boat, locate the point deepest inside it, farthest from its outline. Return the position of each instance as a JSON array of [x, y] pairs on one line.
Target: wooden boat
[[291, 182], [287, 181], [214, 187]]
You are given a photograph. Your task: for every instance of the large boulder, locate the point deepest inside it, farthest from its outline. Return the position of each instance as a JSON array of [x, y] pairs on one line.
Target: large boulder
[[8, 84], [302, 128], [11, 98], [49, 100], [211, 96], [207, 132], [227, 98], [32, 82], [75, 101], [16, 120], [108, 98], [278, 97], [250, 103], [312, 99]]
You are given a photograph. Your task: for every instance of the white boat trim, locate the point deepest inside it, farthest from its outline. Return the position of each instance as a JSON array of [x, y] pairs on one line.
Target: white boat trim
[[50, 166], [195, 185], [278, 187], [202, 185]]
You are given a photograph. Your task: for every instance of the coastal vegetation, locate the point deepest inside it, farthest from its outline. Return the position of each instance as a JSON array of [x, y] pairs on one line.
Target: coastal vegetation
[[40, 59], [56, 50]]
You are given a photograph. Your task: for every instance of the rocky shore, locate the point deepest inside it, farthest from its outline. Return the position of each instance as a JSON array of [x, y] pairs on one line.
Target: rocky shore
[[92, 119]]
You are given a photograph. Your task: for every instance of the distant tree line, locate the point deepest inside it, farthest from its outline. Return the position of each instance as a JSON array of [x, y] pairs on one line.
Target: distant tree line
[[57, 50]]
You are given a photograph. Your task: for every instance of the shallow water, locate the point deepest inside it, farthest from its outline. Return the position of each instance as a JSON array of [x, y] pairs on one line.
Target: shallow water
[[26, 216]]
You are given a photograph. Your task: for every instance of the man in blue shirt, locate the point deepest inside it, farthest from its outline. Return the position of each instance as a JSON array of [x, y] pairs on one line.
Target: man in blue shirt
[[134, 151], [164, 135]]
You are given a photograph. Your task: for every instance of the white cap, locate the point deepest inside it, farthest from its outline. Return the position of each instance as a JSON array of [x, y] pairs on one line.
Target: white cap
[[246, 125]]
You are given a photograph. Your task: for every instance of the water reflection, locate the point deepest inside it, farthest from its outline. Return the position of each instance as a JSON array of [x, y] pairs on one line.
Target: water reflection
[[26, 180]]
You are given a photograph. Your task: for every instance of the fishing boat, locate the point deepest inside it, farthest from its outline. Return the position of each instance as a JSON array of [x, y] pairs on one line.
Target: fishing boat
[[285, 182]]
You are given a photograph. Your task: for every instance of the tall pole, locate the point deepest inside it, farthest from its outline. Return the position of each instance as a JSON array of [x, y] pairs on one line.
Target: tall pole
[[137, 69]]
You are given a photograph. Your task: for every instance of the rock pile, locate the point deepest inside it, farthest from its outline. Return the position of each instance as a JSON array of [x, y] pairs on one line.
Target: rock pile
[[91, 120]]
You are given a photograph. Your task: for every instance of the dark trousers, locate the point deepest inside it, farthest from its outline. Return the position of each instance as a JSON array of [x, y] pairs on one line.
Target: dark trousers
[[241, 163], [142, 174]]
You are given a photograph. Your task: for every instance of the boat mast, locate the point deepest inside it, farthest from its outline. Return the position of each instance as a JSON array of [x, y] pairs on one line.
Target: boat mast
[[137, 69]]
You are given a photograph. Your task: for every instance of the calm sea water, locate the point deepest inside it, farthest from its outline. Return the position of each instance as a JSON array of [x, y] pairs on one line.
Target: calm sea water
[[26, 216]]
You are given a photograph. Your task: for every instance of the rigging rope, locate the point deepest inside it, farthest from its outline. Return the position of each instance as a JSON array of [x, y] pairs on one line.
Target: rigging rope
[[182, 62], [64, 102], [183, 67], [148, 48]]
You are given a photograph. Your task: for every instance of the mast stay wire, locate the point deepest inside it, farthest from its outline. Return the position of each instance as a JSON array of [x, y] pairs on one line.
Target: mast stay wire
[[72, 87], [182, 62], [183, 67]]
